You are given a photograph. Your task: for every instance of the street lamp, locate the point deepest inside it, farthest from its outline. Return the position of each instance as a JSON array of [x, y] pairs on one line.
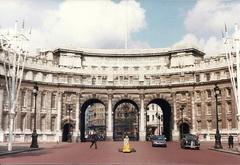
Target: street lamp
[[181, 109], [158, 115], [69, 109], [34, 143], [218, 144]]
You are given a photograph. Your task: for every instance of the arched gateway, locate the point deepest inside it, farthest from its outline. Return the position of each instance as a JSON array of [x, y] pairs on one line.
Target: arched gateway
[[109, 91]]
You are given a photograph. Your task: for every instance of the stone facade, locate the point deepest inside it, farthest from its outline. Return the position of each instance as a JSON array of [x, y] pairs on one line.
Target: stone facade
[[168, 77]]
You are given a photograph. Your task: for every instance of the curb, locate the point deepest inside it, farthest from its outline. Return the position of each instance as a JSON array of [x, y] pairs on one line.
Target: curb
[[19, 151], [225, 151]]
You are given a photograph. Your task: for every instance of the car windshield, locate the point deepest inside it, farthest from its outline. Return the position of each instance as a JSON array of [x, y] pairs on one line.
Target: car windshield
[[161, 137], [190, 136]]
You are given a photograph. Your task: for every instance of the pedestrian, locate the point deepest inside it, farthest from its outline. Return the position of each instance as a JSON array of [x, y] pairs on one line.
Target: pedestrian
[[230, 141], [94, 139]]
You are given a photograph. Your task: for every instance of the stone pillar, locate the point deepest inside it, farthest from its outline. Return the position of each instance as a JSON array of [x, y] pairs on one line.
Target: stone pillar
[[142, 130], [76, 134], [1, 116], [48, 108], [110, 119], [59, 114], [175, 129], [193, 112], [38, 111]]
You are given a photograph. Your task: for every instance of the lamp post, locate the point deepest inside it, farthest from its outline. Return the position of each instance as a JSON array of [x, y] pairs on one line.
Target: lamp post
[[158, 115], [69, 109], [34, 143], [181, 109], [218, 144]]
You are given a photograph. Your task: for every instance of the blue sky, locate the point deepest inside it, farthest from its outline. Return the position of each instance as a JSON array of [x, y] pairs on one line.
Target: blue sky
[[165, 19], [77, 24]]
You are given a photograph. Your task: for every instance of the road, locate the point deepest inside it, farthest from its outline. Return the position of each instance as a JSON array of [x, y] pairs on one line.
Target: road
[[107, 153]]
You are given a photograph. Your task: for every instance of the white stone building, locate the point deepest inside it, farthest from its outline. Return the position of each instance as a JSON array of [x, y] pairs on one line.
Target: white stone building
[[169, 77]]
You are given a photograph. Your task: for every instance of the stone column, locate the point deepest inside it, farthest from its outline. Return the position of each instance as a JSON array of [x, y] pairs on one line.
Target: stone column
[[48, 108], [76, 134], [175, 129], [1, 116], [110, 119], [59, 114], [142, 131], [193, 112]]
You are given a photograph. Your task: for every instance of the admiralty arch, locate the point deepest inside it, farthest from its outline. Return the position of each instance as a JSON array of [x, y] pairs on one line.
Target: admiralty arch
[[179, 80]]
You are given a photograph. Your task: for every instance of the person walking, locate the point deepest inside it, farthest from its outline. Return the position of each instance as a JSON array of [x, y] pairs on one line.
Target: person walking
[[230, 141], [94, 138]]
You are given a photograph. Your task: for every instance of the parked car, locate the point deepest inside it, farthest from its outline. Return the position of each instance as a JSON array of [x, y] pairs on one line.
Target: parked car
[[159, 140], [190, 141]]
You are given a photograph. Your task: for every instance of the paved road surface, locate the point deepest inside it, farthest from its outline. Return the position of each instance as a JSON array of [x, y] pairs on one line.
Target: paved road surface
[[107, 153]]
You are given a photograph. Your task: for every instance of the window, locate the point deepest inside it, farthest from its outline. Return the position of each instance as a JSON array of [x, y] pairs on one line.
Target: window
[[197, 78], [43, 100], [220, 124], [217, 75], [199, 125], [53, 120], [208, 109], [23, 93], [219, 109], [153, 107], [199, 111], [147, 118], [229, 124], [152, 117], [53, 101], [93, 81], [209, 94], [208, 76], [228, 92], [209, 125], [43, 124], [229, 107], [22, 124]]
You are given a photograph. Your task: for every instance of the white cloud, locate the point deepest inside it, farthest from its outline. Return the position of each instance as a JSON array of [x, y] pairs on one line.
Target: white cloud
[[205, 22], [211, 46], [209, 17], [75, 24]]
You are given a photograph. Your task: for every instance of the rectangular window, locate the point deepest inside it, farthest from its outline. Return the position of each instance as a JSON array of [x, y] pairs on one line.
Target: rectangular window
[[209, 125], [208, 76], [228, 92], [208, 109], [199, 110], [209, 94], [43, 100], [219, 109], [199, 125], [198, 78], [53, 101], [152, 117], [229, 108], [147, 118], [53, 120], [23, 93], [229, 124]]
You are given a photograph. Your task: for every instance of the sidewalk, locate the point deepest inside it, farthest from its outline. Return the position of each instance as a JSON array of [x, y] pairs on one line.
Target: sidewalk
[[235, 150], [25, 147]]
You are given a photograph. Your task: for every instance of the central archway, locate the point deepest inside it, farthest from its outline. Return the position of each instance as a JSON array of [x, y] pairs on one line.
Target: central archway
[[93, 118], [166, 117], [126, 120]]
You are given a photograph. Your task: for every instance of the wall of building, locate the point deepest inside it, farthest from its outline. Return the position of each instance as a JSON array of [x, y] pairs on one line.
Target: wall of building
[[190, 84]]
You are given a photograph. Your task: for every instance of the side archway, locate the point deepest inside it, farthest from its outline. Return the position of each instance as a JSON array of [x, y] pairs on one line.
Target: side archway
[[100, 127], [167, 116]]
